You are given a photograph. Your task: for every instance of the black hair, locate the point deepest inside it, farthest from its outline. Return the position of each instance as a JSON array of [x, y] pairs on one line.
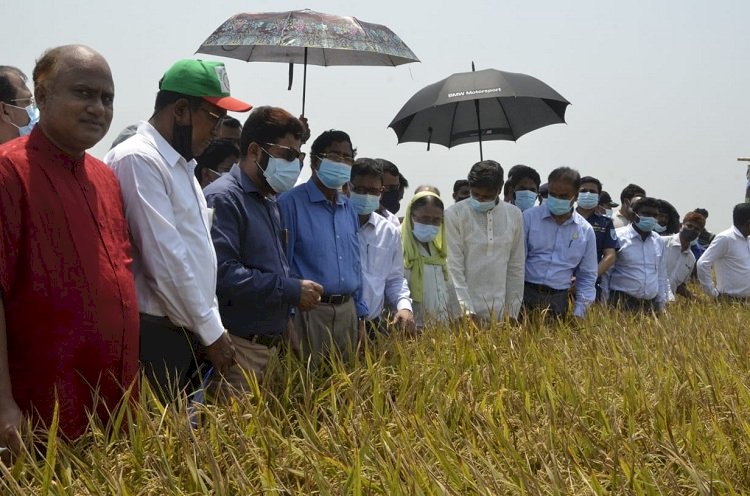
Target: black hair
[[645, 201], [565, 174], [326, 139], [388, 167], [522, 172], [631, 191], [515, 169], [165, 98], [267, 125], [366, 167], [674, 222], [591, 179], [461, 183], [741, 214], [402, 182], [231, 122], [7, 86], [427, 200], [215, 153], [486, 174], [701, 211]]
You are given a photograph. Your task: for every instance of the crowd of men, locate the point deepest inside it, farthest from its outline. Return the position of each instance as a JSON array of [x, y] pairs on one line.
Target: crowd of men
[[191, 251]]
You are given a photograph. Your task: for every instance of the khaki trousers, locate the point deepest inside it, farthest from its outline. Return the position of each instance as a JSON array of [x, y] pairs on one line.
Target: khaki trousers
[[250, 359], [327, 325]]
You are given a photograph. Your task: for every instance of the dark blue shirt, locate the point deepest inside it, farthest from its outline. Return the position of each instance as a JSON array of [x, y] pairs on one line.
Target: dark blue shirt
[[253, 285], [606, 237], [324, 241]]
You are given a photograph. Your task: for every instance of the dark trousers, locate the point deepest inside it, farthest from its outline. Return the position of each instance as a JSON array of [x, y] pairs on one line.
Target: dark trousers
[[539, 297], [169, 356], [630, 303]]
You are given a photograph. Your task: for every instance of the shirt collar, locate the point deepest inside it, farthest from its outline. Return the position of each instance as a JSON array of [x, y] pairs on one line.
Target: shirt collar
[[317, 196], [632, 233], [170, 155], [247, 184], [738, 233], [38, 140]]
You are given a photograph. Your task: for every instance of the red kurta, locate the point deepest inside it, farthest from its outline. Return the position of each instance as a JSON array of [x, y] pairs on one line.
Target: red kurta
[[66, 280]]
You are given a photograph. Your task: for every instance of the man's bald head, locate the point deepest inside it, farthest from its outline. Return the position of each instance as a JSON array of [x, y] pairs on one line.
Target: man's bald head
[[70, 57], [75, 94]]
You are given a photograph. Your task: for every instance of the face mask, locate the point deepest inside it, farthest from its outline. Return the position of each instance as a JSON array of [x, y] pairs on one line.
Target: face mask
[[425, 232], [332, 174], [182, 140], [33, 112], [588, 200], [659, 228], [646, 224], [481, 207], [281, 174], [558, 206], [689, 235], [608, 213], [525, 199], [364, 204], [390, 201]]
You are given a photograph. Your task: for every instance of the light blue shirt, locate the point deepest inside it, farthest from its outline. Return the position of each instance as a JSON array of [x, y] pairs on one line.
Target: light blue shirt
[[555, 253], [323, 241], [641, 267], [382, 266]]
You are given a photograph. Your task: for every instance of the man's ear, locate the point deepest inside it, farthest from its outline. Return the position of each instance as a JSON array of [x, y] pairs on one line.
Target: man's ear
[[41, 94], [182, 113], [346, 188], [4, 113]]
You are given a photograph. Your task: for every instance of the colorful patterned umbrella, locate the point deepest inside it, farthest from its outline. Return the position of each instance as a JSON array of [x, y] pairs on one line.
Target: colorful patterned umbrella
[[307, 37]]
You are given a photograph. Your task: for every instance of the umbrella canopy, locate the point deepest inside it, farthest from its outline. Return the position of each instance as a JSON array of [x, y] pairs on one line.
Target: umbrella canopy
[[284, 36], [307, 37], [478, 106]]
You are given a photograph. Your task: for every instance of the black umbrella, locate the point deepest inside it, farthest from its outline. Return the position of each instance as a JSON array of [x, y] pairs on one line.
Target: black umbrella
[[478, 106]]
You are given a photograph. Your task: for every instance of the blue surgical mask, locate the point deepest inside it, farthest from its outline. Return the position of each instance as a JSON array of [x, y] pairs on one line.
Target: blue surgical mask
[[588, 200], [608, 213], [525, 199], [332, 174], [425, 232], [558, 206], [364, 204], [659, 228], [646, 224], [281, 174], [481, 207], [33, 112]]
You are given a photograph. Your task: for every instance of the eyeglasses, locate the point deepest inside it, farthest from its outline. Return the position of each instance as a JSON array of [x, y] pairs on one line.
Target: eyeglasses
[[391, 188], [288, 153], [217, 174], [217, 119], [366, 191], [337, 157], [29, 99]]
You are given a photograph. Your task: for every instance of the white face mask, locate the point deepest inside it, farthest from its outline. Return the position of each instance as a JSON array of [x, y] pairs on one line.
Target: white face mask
[[33, 112]]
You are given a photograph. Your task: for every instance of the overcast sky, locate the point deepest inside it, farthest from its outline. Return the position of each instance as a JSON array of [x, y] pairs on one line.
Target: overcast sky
[[659, 90]]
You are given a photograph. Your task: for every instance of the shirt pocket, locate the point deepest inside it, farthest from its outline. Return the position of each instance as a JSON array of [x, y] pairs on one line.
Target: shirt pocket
[[574, 249], [376, 262]]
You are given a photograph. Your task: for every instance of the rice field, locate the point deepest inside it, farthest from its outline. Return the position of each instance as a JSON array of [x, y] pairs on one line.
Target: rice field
[[613, 404]]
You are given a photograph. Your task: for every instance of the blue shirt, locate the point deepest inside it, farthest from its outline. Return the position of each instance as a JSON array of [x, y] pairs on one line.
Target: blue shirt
[[254, 286], [604, 230], [324, 241], [557, 252]]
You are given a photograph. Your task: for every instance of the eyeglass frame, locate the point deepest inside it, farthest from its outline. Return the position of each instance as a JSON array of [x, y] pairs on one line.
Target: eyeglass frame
[[348, 160], [300, 154]]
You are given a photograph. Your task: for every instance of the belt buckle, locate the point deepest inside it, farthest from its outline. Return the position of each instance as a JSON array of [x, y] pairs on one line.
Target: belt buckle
[[336, 299]]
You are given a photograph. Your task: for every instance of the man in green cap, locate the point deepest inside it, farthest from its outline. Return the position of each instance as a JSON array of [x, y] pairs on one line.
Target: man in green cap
[[174, 257]]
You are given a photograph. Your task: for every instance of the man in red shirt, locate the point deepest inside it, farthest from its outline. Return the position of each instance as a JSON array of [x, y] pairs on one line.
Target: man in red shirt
[[68, 310]]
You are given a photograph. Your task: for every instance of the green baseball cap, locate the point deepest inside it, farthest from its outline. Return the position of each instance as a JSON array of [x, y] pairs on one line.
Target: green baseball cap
[[205, 79]]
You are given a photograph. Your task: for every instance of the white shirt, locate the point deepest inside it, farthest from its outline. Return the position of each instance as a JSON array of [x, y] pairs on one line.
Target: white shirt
[[390, 217], [174, 261], [640, 269], [679, 263], [486, 258], [382, 266], [439, 303], [729, 255]]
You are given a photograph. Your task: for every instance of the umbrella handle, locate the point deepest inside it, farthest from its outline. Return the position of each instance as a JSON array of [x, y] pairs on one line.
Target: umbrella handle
[[291, 76], [429, 137]]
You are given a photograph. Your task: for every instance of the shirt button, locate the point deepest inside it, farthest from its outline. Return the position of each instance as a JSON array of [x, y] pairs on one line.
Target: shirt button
[[341, 258]]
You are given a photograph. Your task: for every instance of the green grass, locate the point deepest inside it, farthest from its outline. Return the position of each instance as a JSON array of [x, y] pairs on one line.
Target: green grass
[[614, 404]]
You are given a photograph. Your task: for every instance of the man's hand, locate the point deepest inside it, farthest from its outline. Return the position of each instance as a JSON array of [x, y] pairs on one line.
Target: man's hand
[[309, 295], [10, 424], [306, 129], [221, 353], [404, 320]]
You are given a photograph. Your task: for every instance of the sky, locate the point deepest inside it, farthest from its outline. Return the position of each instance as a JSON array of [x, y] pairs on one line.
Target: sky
[[660, 91]]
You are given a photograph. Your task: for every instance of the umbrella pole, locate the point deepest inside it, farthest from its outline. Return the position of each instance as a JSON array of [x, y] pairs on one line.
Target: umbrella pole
[[479, 129], [304, 83]]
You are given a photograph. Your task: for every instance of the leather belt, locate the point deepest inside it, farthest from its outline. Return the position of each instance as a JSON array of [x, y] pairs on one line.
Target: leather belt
[[335, 299]]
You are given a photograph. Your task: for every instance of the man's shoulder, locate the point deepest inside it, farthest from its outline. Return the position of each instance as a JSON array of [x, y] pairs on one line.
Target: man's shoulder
[[299, 191], [225, 186]]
